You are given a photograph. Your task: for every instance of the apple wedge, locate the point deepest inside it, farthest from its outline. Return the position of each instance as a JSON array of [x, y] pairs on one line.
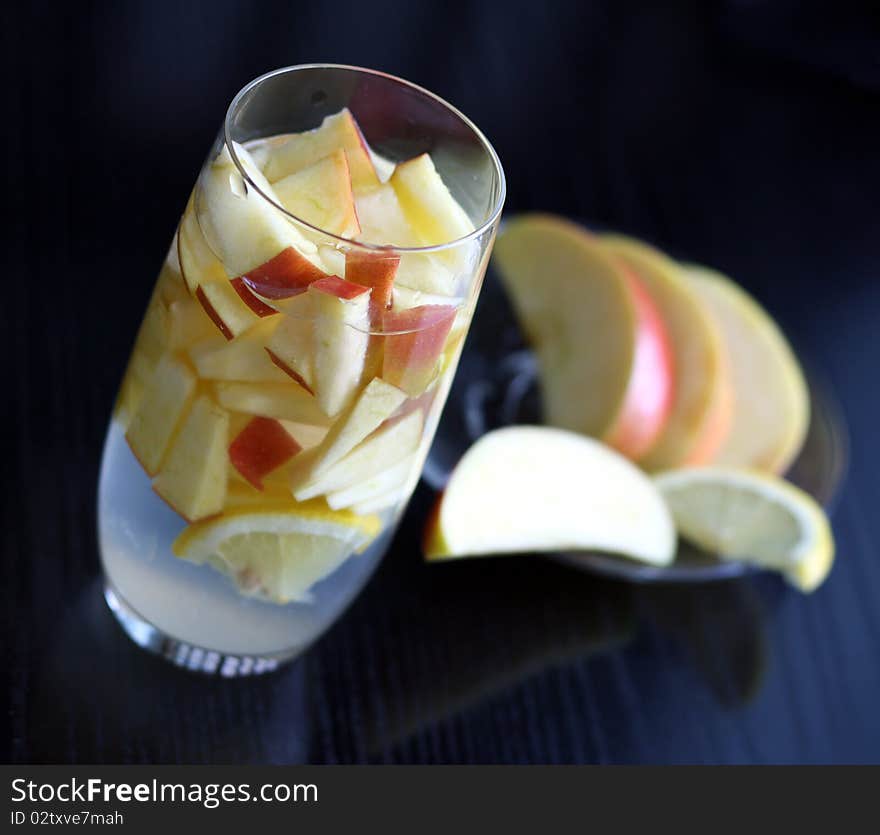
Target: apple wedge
[[414, 341], [383, 502], [321, 195], [304, 149], [700, 413], [291, 346], [225, 308], [341, 335], [188, 324], [254, 302], [198, 263], [243, 359], [261, 447], [771, 407], [540, 489], [383, 449], [242, 227], [389, 480], [374, 269], [166, 400], [377, 402], [605, 366], [381, 218], [284, 401], [431, 210], [192, 479]]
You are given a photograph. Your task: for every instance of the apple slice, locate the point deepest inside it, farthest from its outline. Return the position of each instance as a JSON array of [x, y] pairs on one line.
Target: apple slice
[[413, 344], [165, 401], [389, 480], [373, 406], [303, 149], [405, 298], [198, 264], [384, 448], [341, 323], [377, 504], [243, 359], [771, 408], [700, 413], [193, 476], [285, 401], [374, 269], [382, 220], [536, 488], [241, 226], [321, 195], [602, 349], [288, 274], [291, 345], [225, 308], [188, 324], [432, 211], [261, 447], [254, 302]]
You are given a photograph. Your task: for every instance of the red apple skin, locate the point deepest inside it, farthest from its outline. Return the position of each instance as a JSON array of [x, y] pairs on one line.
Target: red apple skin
[[648, 398], [376, 270], [212, 313], [283, 276], [413, 342], [262, 446], [332, 285], [280, 363], [253, 302]]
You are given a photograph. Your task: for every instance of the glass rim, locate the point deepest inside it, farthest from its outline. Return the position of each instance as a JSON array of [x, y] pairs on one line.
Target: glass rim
[[478, 231]]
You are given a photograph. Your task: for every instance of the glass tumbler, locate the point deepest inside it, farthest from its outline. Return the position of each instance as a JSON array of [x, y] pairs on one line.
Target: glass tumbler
[[290, 370]]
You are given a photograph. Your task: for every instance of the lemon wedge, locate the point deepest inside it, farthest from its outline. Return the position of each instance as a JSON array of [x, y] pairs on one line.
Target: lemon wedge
[[753, 517], [277, 550]]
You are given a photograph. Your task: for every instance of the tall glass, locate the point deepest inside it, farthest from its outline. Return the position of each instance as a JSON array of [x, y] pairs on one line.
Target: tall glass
[[290, 371]]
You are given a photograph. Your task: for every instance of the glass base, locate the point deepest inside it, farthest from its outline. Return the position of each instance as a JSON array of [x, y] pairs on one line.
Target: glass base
[[182, 654]]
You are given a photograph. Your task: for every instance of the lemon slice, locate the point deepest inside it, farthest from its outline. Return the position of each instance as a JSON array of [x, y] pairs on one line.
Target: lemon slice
[[753, 517], [277, 550]]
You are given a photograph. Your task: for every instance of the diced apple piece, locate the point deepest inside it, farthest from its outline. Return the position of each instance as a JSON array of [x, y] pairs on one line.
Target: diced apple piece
[[170, 286], [285, 401], [431, 210], [375, 404], [389, 480], [341, 323], [193, 476], [189, 324], [198, 263], [261, 447], [253, 301], [305, 435], [165, 401], [382, 220], [287, 274], [241, 225], [413, 345], [379, 451], [321, 195], [405, 298], [290, 346], [377, 503], [303, 149], [374, 269], [131, 391], [242, 359], [225, 308]]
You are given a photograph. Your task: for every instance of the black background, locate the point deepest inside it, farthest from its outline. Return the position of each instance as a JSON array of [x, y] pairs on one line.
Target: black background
[[744, 134]]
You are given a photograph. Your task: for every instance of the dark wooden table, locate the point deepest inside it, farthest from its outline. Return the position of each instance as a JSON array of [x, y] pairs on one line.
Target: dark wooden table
[[730, 132]]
